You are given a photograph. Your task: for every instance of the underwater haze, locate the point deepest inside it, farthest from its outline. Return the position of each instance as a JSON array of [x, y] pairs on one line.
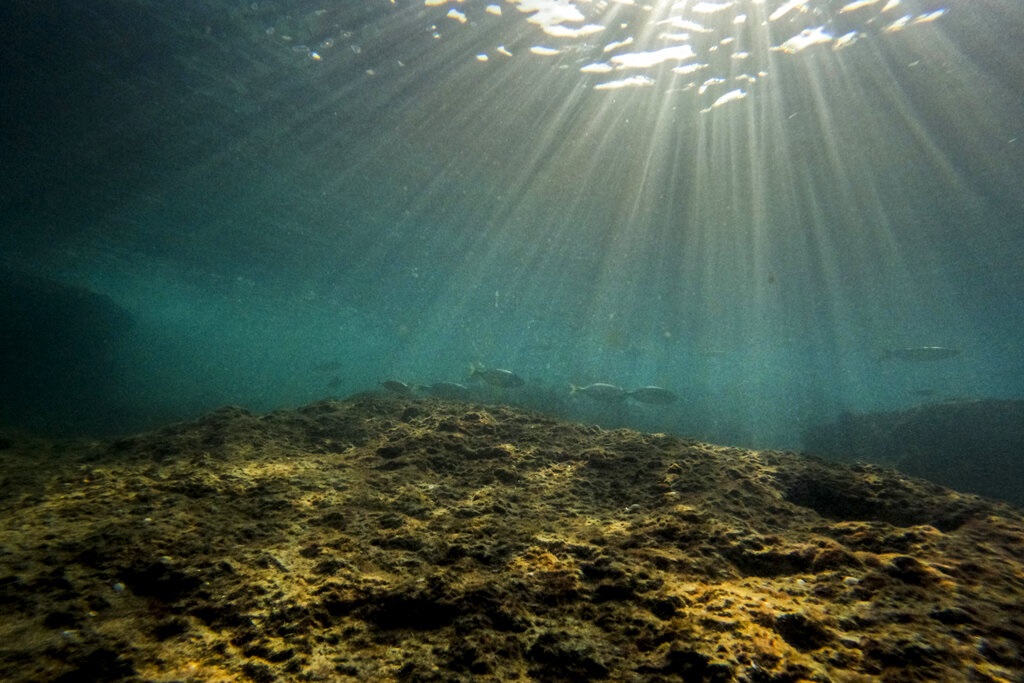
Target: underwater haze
[[779, 211]]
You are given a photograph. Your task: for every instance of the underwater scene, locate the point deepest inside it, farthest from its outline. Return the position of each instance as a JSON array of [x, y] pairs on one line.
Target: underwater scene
[[512, 340]]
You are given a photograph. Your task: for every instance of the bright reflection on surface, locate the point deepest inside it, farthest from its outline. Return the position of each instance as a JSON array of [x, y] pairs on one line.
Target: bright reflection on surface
[[735, 39], [741, 201]]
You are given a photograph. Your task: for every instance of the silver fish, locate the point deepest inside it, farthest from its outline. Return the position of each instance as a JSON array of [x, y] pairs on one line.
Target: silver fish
[[496, 377], [449, 390], [396, 387]]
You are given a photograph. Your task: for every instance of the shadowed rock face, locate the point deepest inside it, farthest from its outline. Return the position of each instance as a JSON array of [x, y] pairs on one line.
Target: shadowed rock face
[[391, 538], [973, 446], [59, 352]]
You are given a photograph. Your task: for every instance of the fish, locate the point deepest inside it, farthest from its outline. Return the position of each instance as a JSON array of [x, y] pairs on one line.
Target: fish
[[449, 390], [920, 353], [653, 395], [496, 377], [608, 393], [396, 387]]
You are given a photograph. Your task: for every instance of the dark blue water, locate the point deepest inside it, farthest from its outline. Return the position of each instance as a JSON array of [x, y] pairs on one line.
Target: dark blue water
[[270, 203]]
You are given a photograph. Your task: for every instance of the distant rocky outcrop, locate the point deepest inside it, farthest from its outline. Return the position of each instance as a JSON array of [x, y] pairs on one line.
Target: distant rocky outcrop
[[970, 445], [60, 349]]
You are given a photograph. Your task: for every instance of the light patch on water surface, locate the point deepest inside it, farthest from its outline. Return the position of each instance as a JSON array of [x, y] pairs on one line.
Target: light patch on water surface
[[710, 83], [859, 4], [711, 7], [642, 60], [687, 69], [560, 31], [805, 39], [899, 24], [792, 5], [687, 25], [715, 37], [549, 12], [731, 96], [631, 82], [845, 40], [615, 45], [929, 17]]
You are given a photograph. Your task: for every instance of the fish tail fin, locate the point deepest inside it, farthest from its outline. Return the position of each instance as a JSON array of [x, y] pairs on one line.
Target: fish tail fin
[[573, 389]]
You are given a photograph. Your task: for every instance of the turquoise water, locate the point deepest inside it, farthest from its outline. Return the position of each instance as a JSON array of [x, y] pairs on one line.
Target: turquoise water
[[746, 203]]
